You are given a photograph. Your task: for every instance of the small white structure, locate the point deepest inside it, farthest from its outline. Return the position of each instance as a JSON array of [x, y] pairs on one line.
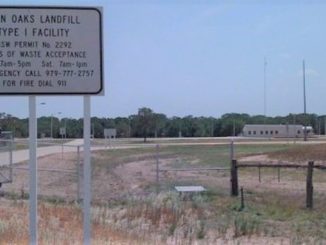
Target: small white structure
[[110, 133], [191, 188], [274, 131]]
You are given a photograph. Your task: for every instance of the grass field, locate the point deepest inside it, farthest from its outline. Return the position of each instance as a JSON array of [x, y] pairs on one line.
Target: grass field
[[126, 208]]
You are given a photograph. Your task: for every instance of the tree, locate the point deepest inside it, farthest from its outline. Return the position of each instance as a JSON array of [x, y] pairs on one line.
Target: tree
[[146, 122], [173, 126], [122, 126], [160, 121]]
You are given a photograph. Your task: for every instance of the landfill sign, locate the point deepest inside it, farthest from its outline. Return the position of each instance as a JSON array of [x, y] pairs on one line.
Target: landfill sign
[[50, 50]]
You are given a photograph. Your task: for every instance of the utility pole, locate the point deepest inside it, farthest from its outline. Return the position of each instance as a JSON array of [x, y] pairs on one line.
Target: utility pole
[[265, 99], [304, 101]]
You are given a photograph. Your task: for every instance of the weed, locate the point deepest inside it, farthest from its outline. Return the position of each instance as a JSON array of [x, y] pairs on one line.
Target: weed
[[54, 200], [172, 228], [201, 231], [199, 201], [246, 224], [15, 196]]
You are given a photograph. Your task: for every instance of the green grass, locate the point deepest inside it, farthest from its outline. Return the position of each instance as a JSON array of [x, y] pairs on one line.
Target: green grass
[[185, 155], [218, 155], [243, 150], [273, 214]]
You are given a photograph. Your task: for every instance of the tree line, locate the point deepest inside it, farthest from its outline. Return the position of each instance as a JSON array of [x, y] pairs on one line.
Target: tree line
[[147, 123]]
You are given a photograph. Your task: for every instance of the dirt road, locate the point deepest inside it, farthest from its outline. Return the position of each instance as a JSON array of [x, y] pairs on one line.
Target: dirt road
[[23, 155]]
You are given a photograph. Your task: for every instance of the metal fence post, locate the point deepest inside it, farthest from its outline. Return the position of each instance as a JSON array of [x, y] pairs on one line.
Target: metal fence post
[[259, 173], [78, 173], [242, 199], [10, 159], [157, 168], [62, 149], [231, 150]]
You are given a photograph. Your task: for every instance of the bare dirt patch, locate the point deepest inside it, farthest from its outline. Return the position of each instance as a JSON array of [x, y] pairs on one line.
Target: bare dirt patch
[[57, 177]]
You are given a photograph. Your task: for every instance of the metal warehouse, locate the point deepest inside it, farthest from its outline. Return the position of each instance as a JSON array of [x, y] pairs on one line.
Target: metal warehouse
[[272, 130]]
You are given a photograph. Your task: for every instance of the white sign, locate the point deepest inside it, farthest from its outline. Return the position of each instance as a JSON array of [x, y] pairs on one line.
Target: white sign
[[62, 131], [110, 132], [50, 50]]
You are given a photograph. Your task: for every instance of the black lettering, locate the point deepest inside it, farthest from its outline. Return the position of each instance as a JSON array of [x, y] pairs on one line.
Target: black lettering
[[63, 44], [30, 54], [22, 18], [3, 18], [4, 44], [9, 32], [26, 44], [9, 73], [50, 32], [59, 19], [65, 54]]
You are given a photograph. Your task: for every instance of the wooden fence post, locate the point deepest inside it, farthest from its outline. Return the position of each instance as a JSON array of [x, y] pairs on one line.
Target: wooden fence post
[[234, 178], [310, 188]]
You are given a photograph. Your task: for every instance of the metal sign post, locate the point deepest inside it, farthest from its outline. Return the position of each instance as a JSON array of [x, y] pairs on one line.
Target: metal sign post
[[87, 170], [32, 171]]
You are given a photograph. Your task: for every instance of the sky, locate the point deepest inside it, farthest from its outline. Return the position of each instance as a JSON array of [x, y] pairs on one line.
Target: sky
[[200, 58]]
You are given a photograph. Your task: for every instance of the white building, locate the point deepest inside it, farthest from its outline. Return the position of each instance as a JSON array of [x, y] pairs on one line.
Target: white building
[[272, 130]]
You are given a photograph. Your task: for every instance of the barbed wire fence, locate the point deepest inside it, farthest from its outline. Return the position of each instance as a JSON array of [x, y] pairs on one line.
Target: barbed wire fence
[[58, 170], [6, 160]]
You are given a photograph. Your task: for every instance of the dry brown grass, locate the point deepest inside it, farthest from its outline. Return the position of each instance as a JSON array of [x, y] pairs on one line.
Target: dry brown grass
[[58, 224]]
